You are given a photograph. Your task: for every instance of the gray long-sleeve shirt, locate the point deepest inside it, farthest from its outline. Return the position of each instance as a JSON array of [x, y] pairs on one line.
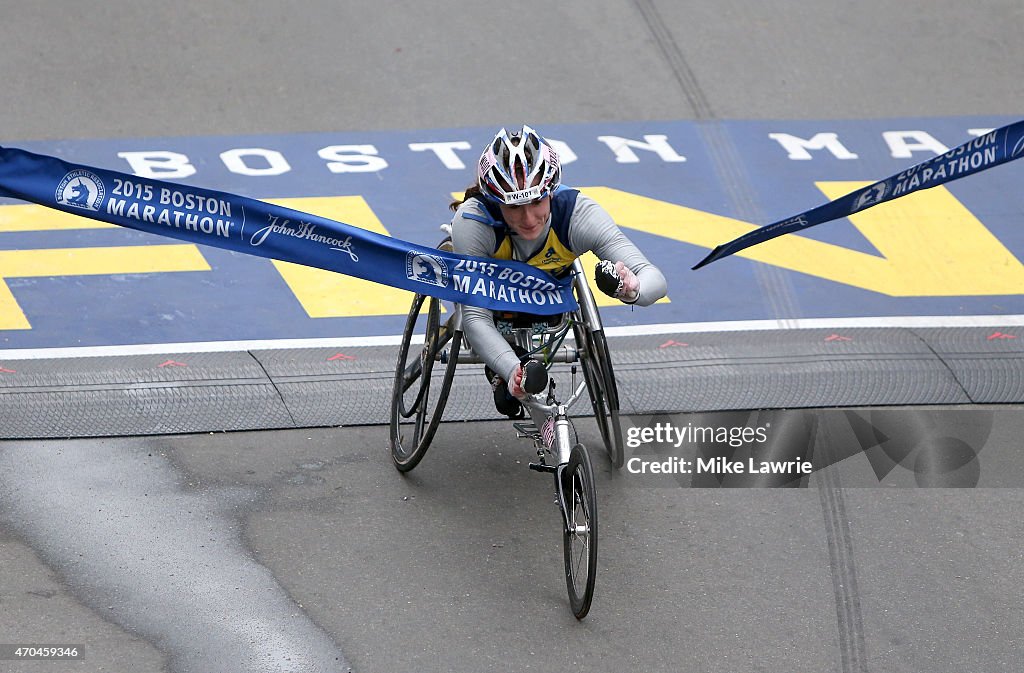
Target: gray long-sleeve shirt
[[590, 228]]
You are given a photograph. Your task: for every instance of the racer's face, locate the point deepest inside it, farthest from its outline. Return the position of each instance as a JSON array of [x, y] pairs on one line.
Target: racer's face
[[528, 220]]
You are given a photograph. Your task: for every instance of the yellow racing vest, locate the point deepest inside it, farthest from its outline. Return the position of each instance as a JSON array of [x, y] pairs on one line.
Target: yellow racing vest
[[555, 256]]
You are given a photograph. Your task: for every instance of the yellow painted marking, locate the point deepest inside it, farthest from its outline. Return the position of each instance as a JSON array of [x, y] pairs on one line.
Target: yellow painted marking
[[325, 294], [87, 262], [932, 245], [39, 218], [929, 245]]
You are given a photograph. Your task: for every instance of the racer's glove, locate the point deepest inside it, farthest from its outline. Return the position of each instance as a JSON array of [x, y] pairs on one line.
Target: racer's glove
[[528, 379], [617, 280]]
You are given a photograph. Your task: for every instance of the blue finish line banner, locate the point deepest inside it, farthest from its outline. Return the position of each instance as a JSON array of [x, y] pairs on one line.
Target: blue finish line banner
[[991, 149], [253, 227]]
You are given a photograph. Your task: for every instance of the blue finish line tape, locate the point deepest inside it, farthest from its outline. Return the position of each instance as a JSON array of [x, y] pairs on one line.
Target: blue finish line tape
[[976, 155], [254, 227]]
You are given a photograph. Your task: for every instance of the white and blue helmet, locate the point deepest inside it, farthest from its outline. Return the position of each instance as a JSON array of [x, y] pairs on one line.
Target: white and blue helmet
[[518, 168]]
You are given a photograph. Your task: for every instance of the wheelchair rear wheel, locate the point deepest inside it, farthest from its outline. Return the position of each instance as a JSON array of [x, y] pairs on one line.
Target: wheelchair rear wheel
[[421, 388], [604, 394]]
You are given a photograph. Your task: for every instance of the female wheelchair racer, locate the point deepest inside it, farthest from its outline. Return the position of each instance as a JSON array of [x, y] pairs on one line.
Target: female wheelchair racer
[[519, 210]]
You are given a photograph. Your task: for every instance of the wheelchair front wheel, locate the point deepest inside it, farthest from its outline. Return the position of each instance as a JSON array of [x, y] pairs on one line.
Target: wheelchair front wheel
[[580, 534], [419, 393]]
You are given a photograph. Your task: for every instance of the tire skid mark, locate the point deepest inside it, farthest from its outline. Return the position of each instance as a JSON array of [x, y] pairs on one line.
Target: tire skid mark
[[852, 649], [729, 167], [676, 61]]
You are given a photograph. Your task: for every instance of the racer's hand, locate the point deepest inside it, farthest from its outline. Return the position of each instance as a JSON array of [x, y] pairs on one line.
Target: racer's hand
[[529, 379], [515, 384], [617, 280]]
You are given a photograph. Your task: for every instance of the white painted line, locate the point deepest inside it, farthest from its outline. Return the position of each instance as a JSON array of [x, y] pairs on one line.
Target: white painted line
[[818, 323], [196, 347], [627, 330]]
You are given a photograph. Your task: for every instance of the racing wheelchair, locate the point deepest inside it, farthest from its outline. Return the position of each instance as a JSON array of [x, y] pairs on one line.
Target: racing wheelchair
[[423, 381]]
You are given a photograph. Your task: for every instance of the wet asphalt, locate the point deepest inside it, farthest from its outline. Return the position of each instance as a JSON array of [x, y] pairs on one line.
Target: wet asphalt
[[305, 550]]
